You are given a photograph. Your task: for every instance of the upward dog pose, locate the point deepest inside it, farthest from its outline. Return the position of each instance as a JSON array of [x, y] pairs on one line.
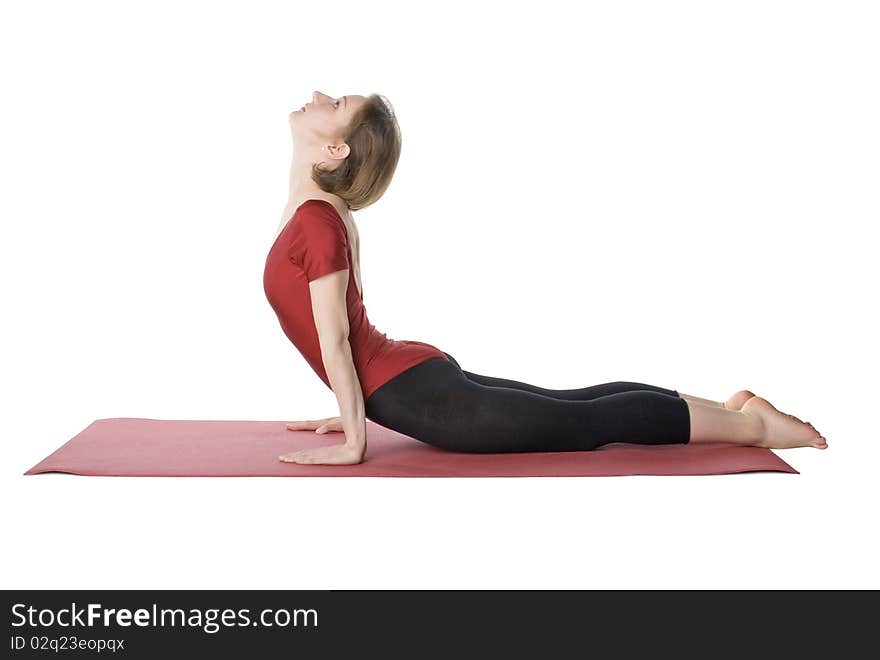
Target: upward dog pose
[[345, 151]]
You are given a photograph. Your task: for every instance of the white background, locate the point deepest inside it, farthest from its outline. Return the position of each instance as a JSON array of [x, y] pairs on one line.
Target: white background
[[679, 193]]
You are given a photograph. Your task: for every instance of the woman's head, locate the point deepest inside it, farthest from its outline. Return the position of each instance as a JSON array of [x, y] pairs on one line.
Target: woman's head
[[352, 143]]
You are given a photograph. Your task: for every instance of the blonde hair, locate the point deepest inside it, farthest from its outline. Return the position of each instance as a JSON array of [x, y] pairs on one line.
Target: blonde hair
[[374, 140]]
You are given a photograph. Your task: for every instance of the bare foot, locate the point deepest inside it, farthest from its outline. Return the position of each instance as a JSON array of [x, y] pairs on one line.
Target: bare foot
[[736, 401], [781, 430]]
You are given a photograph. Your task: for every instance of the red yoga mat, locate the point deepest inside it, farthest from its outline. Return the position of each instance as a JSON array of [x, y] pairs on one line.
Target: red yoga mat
[[139, 447]]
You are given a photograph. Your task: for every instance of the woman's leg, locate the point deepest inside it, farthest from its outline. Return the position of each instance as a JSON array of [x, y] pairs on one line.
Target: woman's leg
[[579, 394], [703, 402], [735, 402], [435, 403], [714, 424]]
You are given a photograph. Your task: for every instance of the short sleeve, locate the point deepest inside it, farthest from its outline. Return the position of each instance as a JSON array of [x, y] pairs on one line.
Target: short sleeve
[[318, 243]]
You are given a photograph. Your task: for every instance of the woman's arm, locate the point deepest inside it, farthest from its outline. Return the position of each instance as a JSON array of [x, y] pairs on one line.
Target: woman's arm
[[328, 295]]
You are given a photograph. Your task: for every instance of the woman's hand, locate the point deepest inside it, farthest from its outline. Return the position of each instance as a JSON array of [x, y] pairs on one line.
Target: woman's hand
[[345, 454], [317, 425], [332, 455]]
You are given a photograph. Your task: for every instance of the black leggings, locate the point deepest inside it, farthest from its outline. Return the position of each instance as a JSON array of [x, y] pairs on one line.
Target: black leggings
[[438, 403]]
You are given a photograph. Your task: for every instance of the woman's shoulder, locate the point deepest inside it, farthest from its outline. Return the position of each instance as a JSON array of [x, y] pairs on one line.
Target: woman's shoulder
[[317, 207], [317, 222]]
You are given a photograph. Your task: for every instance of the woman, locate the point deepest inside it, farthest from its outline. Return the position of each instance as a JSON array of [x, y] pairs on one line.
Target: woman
[[345, 152]]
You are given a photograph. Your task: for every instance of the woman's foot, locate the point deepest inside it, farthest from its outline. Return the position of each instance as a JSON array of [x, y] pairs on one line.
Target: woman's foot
[[781, 430], [736, 401]]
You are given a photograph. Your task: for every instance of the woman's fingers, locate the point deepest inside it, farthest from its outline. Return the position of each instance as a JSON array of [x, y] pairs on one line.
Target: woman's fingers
[[319, 425], [331, 424], [305, 424], [300, 456], [329, 455]]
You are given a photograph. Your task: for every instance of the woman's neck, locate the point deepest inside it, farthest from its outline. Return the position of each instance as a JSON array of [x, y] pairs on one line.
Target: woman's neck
[[301, 187]]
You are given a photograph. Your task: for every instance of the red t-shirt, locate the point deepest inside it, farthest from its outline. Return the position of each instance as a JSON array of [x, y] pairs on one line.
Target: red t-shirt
[[314, 243]]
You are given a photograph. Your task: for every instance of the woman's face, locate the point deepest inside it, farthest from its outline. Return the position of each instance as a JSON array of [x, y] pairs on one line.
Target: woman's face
[[325, 117]]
